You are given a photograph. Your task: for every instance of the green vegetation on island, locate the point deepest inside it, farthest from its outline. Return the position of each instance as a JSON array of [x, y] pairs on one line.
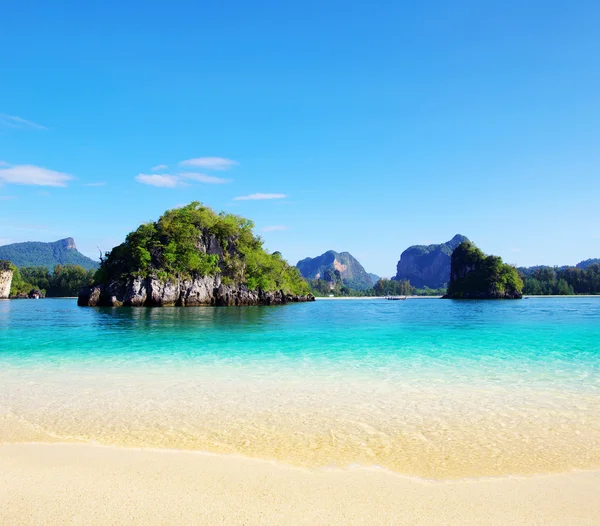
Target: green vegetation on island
[[473, 275], [544, 281], [194, 241], [64, 281], [392, 287], [332, 285]]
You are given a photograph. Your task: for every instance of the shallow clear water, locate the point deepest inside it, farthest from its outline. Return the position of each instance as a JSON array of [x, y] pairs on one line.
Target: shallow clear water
[[431, 388]]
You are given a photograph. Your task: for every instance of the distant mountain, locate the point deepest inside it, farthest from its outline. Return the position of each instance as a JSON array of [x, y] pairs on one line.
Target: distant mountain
[[351, 271], [427, 265], [588, 263], [582, 265], [37, 253], [374, 277]]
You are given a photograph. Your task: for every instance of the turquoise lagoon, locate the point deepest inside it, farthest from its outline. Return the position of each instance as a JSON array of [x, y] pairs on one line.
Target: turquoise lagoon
[[428, 388]]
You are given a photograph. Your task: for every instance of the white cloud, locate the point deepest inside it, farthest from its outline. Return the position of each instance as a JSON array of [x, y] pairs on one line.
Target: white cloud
[[210, 163], [12, 121], [28, 174], [203, 178], [275, 228], [159, 167], [163, 181], [259, 197], [95, 184]]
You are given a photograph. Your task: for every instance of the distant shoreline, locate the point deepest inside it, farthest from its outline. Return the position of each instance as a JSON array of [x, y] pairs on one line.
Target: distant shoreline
[[374, 297], [319, 298]]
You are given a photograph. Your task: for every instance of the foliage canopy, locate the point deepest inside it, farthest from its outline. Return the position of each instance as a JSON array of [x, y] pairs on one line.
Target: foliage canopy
[[475, 275]]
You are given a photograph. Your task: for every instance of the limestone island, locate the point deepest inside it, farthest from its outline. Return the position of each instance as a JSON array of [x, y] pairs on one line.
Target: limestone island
[[6, 276], [473, 275], [192, 256]]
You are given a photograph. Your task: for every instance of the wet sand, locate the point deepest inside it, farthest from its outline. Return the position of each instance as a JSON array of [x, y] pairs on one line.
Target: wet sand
[[88, 484]]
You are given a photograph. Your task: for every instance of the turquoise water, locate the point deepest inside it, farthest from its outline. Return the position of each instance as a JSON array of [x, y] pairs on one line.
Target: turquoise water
[[425, 387]]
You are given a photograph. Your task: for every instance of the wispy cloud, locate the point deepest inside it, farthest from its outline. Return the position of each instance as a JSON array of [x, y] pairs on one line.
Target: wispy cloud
[[180, 179], [12, 121], [27, 174], [162, 181], [203, 178], [259, 197], [4, 163], [159, 168], [515, 250], [4, 241], [275, 228], [210, 163], [95, 184], [7, 197]]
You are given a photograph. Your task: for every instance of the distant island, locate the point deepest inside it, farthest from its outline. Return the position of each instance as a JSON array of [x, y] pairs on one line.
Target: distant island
[[43, 270], [332, 269], [427, 265], [48, 255], [473, 275], [193, 256]]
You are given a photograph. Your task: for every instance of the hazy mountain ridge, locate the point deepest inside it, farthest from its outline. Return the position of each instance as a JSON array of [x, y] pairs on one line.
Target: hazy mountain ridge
[[428, 265], [38, 253], [352, 273], [374, 277]]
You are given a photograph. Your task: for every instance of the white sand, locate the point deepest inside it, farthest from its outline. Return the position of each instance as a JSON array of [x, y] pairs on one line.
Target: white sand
[[81, 484]]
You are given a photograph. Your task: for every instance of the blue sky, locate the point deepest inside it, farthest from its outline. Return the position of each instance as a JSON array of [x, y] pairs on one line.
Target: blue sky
[[371, 126]]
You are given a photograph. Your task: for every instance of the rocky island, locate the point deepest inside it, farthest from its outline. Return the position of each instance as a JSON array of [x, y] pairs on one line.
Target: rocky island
[[473, 275], [193, 256], [6, 275]]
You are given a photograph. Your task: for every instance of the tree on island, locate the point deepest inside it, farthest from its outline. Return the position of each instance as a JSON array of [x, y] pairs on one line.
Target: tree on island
[[541, 281], [473, 275]]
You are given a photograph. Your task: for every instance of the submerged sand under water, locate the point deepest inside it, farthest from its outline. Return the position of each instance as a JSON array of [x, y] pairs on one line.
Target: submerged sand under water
[[409, 426]]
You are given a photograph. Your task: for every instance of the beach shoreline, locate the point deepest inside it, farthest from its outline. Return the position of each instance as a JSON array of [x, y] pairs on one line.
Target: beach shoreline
[[74, 483]]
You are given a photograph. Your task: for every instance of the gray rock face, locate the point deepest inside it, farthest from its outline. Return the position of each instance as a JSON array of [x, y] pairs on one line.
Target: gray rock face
[[428, 266], [352, 273], [163, 293], [5, 283], [206, 290], [199, 291]]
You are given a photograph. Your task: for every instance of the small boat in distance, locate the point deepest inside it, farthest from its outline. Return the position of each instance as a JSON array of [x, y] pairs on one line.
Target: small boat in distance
[[395, 298]]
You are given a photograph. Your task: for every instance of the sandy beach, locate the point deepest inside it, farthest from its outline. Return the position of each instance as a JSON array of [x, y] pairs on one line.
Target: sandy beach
[[366, 413], [87, 484]]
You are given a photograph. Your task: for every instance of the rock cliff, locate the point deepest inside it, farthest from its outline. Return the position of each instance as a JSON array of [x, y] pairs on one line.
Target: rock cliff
[[206, 290], [427, 265], [352, 273], [6, 275]]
